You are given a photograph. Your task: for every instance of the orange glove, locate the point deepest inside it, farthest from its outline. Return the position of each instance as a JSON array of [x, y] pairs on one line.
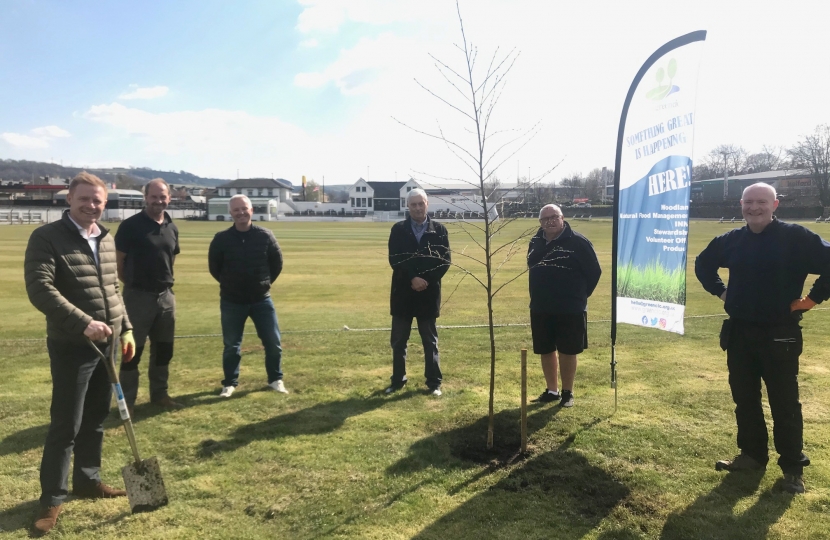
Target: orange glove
[[127, 346], [802, 304]]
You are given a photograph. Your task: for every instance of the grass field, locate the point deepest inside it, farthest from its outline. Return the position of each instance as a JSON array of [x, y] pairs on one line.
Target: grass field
[[336, 459]]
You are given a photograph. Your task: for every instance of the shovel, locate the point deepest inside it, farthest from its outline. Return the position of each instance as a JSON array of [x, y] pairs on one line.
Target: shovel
[[142, 478]]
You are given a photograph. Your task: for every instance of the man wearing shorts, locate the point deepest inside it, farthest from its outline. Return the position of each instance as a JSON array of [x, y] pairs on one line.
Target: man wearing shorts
[[564, 271]]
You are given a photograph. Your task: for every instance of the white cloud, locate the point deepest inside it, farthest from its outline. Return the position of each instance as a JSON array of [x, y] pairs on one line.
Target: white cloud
[[51, 132], [329, 15], [24, 141], [40, 137], [309, 43], [355, 69], [150, 92], [213, 141], [323, 16]]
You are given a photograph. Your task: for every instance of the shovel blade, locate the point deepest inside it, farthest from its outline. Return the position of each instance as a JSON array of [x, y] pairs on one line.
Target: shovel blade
[[144, 485]]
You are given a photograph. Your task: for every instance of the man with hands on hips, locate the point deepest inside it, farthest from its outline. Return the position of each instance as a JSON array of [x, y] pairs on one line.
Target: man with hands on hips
[[768, 262]]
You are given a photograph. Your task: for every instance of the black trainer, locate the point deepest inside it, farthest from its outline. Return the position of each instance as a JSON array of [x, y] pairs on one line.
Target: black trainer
[[567, 398], [547, 397]]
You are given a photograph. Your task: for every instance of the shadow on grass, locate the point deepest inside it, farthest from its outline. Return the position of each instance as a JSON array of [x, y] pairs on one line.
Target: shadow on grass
[[553, 493], [24, 440], [34, 437], [19, 517], [713, 515], [466, 446], [315, 420]]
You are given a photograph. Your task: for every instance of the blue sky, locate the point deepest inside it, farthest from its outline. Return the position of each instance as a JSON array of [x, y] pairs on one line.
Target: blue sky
[[310, 87]]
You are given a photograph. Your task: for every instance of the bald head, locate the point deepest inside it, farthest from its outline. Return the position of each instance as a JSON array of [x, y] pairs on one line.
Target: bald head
[[760, 187], [758, 202]]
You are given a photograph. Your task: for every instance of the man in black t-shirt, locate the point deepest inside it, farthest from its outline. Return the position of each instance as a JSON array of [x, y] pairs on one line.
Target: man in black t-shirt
[[147, 244]]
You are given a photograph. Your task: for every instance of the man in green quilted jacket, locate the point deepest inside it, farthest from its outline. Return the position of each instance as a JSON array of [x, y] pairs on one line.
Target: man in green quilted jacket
[[70, 271]]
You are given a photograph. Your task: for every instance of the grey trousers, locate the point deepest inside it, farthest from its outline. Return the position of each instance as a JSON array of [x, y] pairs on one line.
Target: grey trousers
[[153, 316]]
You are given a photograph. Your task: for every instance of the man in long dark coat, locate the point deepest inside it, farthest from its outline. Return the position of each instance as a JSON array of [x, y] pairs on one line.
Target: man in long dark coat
[[419, 253]]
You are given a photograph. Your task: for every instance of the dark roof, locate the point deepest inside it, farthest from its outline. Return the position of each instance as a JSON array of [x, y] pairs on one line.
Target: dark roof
[[387, 190], [258, 183]]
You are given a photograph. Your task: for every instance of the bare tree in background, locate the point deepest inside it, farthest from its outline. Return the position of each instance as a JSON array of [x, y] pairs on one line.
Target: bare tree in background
[[768, 159], [594, 184], [572, 186], [813, 152], [728, 157], [474, 90]]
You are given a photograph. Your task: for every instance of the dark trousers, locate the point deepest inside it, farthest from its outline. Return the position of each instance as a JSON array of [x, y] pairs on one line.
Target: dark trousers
[[401, 328], [81, 395], [769, 353], [267, 328], [153, 316]]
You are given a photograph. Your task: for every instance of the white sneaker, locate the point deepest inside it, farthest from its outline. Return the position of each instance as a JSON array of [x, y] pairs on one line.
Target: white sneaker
[[227, 391], [278, 386], [436, 392]]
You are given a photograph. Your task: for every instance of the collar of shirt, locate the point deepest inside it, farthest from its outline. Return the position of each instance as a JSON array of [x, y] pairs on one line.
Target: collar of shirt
[[96, 231], [90, 237], [166, 219], [420, 227]]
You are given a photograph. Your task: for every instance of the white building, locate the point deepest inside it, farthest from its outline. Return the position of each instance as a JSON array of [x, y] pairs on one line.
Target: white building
[[265, 194]]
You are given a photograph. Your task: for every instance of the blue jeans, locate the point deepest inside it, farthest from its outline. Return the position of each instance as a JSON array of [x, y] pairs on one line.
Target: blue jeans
[[233, 326]]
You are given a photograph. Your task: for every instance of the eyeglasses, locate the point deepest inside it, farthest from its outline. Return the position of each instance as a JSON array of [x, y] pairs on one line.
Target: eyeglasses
[[550, 219]]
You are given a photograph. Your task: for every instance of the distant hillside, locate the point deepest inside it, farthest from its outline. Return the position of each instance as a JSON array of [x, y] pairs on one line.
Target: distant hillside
[[28, 170]]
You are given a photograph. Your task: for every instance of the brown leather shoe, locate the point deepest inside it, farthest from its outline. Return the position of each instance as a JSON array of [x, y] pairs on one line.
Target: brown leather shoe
[[46, 519], [168, 403], [98, 491]]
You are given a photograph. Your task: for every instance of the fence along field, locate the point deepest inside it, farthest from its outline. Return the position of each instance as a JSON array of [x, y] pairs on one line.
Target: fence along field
[[333, 459]]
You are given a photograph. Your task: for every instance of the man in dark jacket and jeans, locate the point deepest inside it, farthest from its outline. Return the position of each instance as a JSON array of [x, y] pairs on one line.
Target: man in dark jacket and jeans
[[246, 260], [768, 262], [419, 253], [564, 271]]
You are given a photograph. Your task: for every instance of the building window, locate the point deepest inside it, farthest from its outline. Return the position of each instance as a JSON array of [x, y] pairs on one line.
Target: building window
[[250, 193], [403, 203], [363, 202], [409, 189], [352, 199], [370, 202]]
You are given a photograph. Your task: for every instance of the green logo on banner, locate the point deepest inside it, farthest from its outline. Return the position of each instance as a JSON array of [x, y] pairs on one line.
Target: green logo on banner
[[661, 91]]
